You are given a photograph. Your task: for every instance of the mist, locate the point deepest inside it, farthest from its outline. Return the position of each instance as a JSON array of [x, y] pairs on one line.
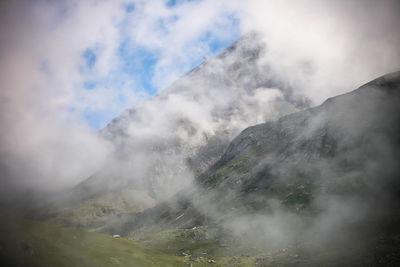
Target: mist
[[317, 181], [306, 45], [75, 120]]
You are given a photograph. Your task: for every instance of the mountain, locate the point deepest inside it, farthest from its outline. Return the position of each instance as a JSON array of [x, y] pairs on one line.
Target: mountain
[[163, 144], [323, 182]]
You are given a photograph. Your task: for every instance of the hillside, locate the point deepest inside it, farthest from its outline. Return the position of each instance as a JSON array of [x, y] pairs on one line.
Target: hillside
[[280, 183], [26, 243]]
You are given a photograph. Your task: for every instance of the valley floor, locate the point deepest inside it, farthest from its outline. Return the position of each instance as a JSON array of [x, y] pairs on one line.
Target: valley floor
[[29, 243]]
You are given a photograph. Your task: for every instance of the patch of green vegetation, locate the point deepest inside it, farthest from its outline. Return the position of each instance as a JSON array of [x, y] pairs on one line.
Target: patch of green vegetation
[[237, 166], [196, 241], [296, 195], [27, 243]]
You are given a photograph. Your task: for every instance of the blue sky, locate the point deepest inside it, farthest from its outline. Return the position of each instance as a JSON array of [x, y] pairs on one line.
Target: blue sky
[[139, 62]]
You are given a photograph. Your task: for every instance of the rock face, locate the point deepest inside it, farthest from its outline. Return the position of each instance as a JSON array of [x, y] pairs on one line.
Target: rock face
[[326, 176], [347, 145], [164, 143]]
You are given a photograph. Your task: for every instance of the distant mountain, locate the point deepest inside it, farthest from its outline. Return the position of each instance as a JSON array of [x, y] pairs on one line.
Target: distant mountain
[[162, 144], [323, 179]]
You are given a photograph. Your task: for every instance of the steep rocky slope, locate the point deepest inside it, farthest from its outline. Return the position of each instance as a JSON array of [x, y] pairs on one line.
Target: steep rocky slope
[[323, 179]]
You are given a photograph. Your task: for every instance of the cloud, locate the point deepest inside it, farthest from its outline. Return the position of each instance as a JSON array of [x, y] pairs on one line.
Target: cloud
[[43, 143], [61, 63], [327, 47], [177, 34]]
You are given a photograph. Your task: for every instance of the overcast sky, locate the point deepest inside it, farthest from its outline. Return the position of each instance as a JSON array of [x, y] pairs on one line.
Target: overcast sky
[[68, 67]]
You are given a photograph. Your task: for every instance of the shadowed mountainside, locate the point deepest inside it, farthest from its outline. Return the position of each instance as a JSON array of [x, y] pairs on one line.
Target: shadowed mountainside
[[323, 179]]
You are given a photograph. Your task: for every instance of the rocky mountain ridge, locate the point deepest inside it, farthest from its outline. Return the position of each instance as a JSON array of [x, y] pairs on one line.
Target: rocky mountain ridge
[[282, 181], [164, 143]]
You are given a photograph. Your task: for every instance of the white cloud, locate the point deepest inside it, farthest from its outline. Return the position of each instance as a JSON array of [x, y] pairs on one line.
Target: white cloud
[[44, 138], [323, 47], [327, 47]]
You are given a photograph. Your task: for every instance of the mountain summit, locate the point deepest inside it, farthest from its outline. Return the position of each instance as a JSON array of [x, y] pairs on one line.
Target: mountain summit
[[163, 144]]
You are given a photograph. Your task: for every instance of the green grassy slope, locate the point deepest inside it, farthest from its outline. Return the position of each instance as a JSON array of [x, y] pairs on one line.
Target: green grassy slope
[[29, 243], [26, 243]]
